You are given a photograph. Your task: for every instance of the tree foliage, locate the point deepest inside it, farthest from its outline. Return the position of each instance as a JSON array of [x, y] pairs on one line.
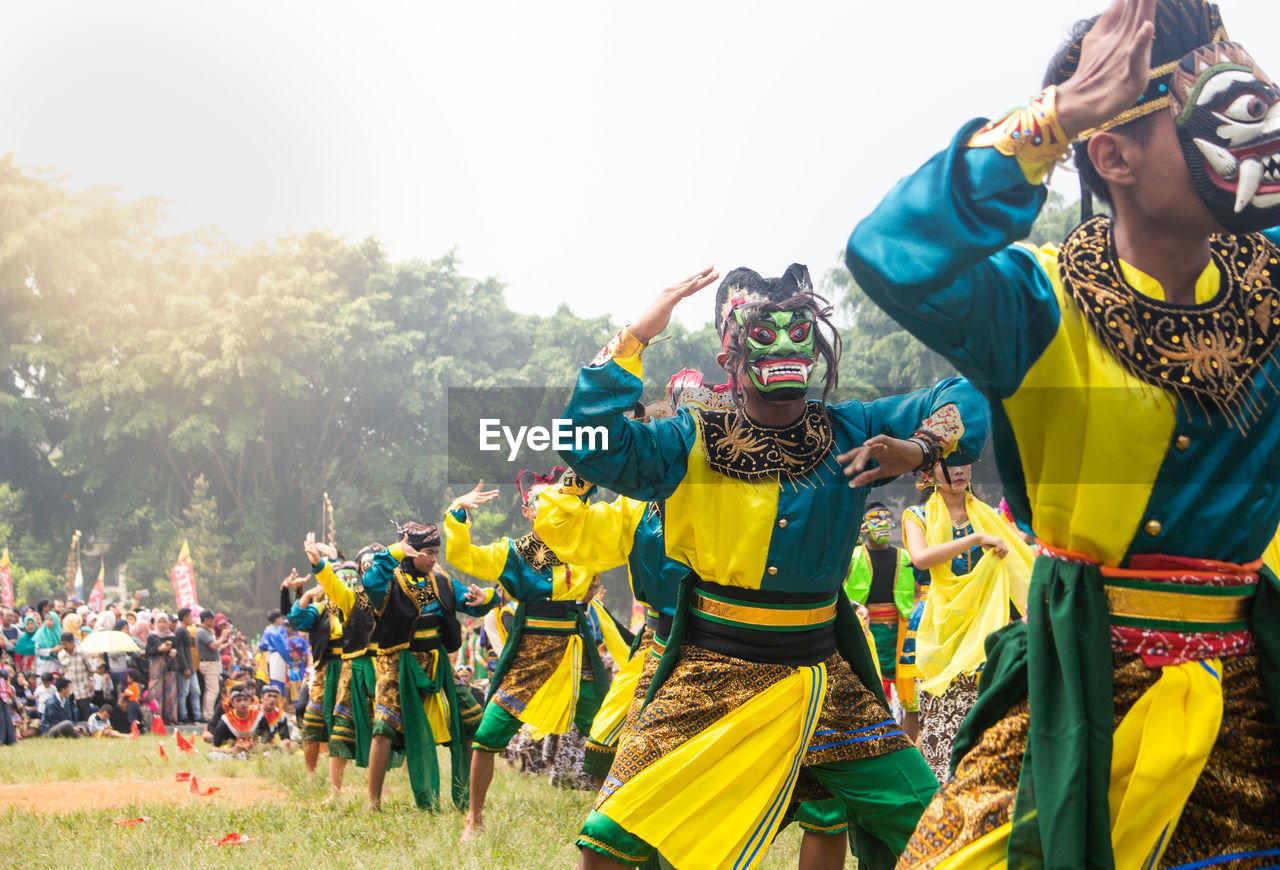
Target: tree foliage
[[157, 387]]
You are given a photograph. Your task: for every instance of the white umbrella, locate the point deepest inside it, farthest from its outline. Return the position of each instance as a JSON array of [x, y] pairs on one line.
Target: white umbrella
[[109, 642]]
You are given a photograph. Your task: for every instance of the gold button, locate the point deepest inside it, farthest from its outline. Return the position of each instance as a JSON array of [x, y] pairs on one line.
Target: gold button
[[782, 523], [1152, 527], [773, 569], [1182, 442]]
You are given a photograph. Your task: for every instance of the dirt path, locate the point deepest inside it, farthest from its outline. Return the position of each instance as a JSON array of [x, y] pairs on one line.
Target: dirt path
[[66, 797]]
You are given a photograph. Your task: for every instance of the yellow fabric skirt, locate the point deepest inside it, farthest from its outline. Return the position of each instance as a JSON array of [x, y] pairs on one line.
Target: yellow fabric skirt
[[1159, 750], [608, 723], [550, 710], [732, 780]]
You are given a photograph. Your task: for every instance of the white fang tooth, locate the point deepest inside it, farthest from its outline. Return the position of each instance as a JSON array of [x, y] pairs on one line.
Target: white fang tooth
[[1223, 163], [1247, 184]]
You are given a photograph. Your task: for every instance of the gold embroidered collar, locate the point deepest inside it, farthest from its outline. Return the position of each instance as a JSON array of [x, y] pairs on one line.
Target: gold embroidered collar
[[1208, 354], [738, 448], [535, 552]]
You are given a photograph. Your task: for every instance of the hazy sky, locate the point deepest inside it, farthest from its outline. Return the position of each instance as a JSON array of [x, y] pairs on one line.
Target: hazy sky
[[590, 153]]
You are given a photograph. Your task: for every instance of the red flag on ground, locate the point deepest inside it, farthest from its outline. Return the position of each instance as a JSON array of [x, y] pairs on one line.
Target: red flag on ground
[[6, 580], [163, 754], [233, 840], [133, 729], [183, 576], [183, 776], [183, 744], [157, 726], [99, 588], [193, 786], [129, 823]]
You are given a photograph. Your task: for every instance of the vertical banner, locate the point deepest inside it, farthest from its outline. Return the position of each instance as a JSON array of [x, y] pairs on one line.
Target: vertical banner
[[99, 588], [79, 584], [6, 580], [184, 580]]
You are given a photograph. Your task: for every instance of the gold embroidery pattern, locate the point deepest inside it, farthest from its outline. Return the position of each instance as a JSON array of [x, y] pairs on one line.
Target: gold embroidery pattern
[[945, 425], [706, 686], [421, 594], [535, 552], [386, 698], [740, 449], [850, 712], [622, 344], [1031, 132], [1231, 809], [535, 661], [1207, 354]]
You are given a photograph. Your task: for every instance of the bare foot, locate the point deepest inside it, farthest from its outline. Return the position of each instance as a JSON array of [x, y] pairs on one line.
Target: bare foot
[[375, 806], [472, 829]]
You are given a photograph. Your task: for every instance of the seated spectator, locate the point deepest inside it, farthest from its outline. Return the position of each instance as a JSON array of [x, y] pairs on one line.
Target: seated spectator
[[59, 716], [238, 726], [275, 723], [100, 722]]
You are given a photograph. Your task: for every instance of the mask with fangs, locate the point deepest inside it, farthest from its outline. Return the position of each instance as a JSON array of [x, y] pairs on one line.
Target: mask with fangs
[[781, 352], [1227, 112]]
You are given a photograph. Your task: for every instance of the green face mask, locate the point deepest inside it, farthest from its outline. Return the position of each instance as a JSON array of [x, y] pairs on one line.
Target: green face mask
[[878, 525], [781, 351]]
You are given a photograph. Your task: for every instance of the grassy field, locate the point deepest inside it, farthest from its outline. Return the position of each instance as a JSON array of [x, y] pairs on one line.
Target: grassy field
[[59, 798]]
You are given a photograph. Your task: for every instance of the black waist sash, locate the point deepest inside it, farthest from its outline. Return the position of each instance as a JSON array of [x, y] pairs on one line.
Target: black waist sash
[[769, 627]]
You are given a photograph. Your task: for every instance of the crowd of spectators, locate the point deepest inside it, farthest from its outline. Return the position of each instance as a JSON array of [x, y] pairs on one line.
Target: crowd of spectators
[[182, 670]]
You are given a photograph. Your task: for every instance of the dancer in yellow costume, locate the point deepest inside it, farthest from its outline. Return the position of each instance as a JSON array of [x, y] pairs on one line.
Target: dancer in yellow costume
[[978, 567], [416, 703], [550, 674], [313, 613], [766, 690], [1131, 721]]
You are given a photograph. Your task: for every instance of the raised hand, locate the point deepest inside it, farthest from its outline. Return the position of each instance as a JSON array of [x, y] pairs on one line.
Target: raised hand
[[290, 581], [892, 455], [475, 595], [311, 548], [650, 324], [478, 496], [1115, 64]]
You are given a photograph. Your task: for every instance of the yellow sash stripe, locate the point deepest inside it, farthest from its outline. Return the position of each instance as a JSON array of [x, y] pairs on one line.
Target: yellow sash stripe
[[748, 615]]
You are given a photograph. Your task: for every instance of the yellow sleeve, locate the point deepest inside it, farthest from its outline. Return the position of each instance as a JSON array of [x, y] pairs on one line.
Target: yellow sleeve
[[597, 537], [342, 597], [482, 562]]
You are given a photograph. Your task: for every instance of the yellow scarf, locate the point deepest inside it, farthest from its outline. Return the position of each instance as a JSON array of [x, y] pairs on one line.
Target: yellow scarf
[[962, 610]]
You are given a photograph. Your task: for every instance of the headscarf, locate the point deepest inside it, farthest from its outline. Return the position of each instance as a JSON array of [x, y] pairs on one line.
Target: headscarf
[[27, 639], [141, 627], [49, 637], [165, 632], [72, 622]]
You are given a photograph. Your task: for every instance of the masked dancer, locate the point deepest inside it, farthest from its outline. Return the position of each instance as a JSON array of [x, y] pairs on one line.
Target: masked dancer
[[767, 689], [1130, 722]]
